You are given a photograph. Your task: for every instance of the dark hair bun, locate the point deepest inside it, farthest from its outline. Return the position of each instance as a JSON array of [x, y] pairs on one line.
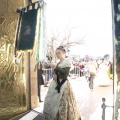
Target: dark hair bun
[[61, 48]]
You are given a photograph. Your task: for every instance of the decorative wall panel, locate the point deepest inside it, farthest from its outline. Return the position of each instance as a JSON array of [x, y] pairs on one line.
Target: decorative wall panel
[[12, 80]]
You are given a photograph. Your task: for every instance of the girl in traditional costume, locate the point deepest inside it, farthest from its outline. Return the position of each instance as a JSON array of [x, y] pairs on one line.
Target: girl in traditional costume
[[102, 75], [60, 103], [110, 70]]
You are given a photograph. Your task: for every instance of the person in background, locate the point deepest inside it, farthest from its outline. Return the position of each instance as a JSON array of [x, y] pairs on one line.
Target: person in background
[[47, 70], [92, 71], [81, 67], [60, 102], [102, 74], [110, 70], [40, 80]]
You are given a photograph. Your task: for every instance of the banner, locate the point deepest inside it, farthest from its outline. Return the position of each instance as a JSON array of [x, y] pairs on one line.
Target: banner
[[27, 30]]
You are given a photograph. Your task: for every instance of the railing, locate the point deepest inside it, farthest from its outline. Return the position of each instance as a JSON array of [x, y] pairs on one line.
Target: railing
[[104, 108], [47, 74], [77, 72]]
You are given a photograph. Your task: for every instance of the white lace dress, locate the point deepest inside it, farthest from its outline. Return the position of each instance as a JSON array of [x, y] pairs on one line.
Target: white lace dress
[[103, 76]]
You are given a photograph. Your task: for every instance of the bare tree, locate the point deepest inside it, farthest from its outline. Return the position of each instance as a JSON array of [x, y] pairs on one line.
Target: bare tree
[[51, 45], [66, 39]]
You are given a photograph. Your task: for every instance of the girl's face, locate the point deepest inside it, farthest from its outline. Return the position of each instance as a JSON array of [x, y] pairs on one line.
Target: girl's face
[[60, 54]]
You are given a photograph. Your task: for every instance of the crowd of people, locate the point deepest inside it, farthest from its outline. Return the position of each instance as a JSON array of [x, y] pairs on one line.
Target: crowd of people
[[101, 68]]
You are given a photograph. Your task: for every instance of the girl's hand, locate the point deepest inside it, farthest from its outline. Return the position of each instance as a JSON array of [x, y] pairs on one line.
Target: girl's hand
[[55, 77]]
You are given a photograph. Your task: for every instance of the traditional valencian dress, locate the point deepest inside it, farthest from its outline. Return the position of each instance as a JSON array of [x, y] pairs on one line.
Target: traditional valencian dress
[[103, 76], [60, 103]]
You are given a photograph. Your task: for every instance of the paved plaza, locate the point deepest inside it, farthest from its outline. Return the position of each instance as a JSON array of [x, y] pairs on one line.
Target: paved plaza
[[89, 101]]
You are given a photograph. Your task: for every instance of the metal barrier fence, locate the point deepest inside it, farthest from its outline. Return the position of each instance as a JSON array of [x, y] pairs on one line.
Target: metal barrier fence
[[77, 72], [48, 73]]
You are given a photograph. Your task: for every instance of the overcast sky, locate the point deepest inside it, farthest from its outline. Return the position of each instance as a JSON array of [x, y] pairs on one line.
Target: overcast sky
[[92, 18]]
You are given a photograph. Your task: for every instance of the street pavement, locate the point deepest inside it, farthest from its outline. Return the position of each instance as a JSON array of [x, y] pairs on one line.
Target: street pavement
[[89, 101]]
